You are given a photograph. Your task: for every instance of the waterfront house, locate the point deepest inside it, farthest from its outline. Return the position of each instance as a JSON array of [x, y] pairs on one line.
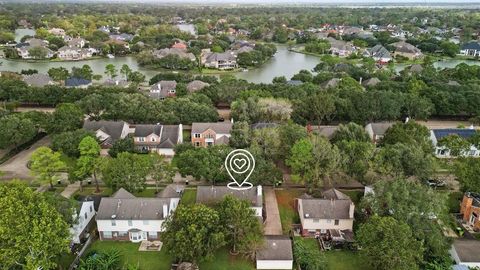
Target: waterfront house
[[77, 43], [222, 61], [443, 152], [276, 254], [340, 47], [73, 53], [158, 138], [163, 90], [196, 85], [124, 217], [379, 54], [207, 134], [407, 50], [471, 48], [77, 82], [182, 53], [38, 80]]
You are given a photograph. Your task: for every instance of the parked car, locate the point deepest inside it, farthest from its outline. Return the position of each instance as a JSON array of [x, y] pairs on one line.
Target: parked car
[[435, 183]]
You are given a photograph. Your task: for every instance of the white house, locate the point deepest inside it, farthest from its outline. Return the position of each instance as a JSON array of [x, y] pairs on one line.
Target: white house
[[465, 252], [471, 48], [277, 253], [213, 194], [83, 217], [443, 152], [334, 212], [125, 217]]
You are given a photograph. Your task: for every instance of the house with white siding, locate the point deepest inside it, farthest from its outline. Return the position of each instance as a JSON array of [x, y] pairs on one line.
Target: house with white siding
[[276, 254], [84, 216]]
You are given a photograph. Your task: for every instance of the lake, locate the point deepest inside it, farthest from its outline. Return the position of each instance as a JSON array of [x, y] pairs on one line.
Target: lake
[[21, 32], [284, 63]]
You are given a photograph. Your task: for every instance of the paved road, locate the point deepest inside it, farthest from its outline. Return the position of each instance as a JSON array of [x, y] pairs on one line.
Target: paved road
[[273, 226], [16, 167]]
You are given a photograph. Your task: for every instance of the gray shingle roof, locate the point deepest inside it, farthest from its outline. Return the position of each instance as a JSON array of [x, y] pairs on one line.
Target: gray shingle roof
[[467, 250], [196, 85], [168, 134], [37, 79], [112, 128], [334, 194], [380, 128], [145, 130], [277, 247], [214, 194], [326, 209], [326, 131], [220, 127]]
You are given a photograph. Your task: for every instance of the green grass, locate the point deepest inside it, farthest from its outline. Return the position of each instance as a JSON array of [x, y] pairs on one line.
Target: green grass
[[223, 260], [345, 260], [146, 260], [146, 193], [453, 202], [288, 214], [65, 261], [189, 197], [355, 195], [69, 161]]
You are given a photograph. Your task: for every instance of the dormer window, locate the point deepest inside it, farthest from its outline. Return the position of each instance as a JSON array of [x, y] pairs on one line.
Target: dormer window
[[141, 139], [153, 139]]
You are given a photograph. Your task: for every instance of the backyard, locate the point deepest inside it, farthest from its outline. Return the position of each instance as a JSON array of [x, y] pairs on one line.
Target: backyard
[[189, 197], [286, 207], [223, 260]]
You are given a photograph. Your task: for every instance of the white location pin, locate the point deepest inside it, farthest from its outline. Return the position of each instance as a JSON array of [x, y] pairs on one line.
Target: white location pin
[[240, 165]]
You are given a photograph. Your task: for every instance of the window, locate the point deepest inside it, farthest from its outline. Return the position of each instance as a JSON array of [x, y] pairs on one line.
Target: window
[[329, 221], [197, 144], [152, 234], [141, 139], [337, 222], [145, 222], [130, 223], [122, 234], [209, 143], [107, 235], [196, 135], [153, 139], [85, 215], [91, 208], [114, 222]]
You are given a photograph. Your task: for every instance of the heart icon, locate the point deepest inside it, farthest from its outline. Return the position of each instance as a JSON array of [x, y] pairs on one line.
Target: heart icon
[[240, 163]]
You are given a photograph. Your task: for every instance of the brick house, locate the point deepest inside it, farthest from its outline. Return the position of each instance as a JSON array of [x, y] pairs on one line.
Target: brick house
[[206, 134], [470, 210]]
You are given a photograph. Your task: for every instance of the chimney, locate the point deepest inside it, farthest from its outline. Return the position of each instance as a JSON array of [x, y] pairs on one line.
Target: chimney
[[180, 133], [361, 80], [259, 190], [165, 211], [351, 210]]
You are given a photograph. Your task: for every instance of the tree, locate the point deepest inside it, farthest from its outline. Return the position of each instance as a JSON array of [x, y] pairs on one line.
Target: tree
[[122, 145], [58, 74], [107, 260], [111, 70], [33, 232], [67, 142], [242, 228], [240, 135], [125, 70], [136, 77], [410, 133], [456, 144], [46, 164], [289, 134], [274, 110], [350, 132], [389, 244], [85, 72], [161, 170], [67, 117], [90, 162], [467, 171], [38, 52], [193, 233], [320, 107], [313, 160], [418, 206], [356, 157], [128, 171], [308, 258], [203, 163], [16, 130]]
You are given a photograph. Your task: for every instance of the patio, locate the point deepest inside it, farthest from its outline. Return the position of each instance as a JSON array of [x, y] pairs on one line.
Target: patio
[[150, 246]]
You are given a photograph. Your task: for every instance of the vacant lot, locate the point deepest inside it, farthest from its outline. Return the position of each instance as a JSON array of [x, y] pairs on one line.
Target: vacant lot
[[286, 206]]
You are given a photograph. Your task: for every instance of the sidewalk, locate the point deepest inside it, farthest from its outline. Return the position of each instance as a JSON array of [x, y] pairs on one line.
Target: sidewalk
[[70, 190], [273, 226]]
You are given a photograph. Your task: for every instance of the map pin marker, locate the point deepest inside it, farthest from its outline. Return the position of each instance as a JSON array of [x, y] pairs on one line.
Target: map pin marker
[[240, 164]]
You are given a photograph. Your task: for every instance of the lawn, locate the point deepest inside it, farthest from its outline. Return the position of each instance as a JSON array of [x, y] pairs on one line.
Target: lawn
[[65, 260], [453, 201], [146, 260], [345, 260], [189, 197], [223, 260], [90, 190], [286, 207], [147, 193]]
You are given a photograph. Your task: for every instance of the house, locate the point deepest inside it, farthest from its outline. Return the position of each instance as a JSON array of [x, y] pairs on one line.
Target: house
[[163, 90], [407, 50], [470, 210], [332, 83], [379, 54], [371, 82], [276, 254], [471, 48], [73, 53], [332, 214], [122, 37], [196, 85], [158, 138], [83, 217], [179, 45], [116, 83], [57, 32], [210, 195], [223, 61], [124, 217], [294, 82], [207, 134], [443, 152], [23, 49], [340, 47], [376, 131], [107, 132], [182, 53], [326, 131], [77, 82], [465, 252], [38, 80], [77, 43]]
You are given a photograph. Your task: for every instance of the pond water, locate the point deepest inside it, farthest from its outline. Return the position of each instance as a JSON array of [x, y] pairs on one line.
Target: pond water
[[21, 32]]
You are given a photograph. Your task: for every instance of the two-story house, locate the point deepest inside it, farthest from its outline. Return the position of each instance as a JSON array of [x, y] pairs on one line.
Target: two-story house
[[442, 151], [207, 134], [332, 214], [83, 217], [222, 61], [107, 132], [125, 217], [158, 138], [163, 90], [211, 195], [376, 131], [470, 210]]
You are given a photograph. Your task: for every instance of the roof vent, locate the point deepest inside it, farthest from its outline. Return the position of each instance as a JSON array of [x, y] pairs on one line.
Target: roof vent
[[307, 215]]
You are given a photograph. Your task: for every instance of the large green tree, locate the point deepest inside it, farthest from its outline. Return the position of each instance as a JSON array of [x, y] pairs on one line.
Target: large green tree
[[16, 130], [128, 171], [89, 162], [389, 244], [162, 171], [46, 164], [193, 233], [67, 117], [467, 171], [33, 232]]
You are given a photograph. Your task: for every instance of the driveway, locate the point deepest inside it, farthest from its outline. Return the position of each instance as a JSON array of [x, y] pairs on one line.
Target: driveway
[[273, 226], [16, 167]]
